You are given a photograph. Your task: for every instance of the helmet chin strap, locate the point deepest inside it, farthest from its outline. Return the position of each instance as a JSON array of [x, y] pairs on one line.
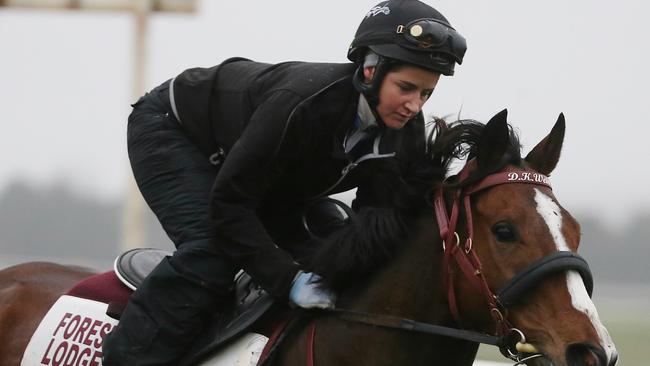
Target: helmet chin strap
[[371, 90]]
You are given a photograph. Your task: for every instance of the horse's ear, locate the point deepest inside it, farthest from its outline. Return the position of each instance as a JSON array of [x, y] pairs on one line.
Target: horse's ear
[[544, 157], [494, 141]]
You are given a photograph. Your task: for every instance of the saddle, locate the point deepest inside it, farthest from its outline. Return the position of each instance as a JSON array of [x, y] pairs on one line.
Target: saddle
[[249, 301]]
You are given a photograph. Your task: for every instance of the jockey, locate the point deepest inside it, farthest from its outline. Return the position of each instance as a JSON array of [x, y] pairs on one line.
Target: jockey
[[224, 156]]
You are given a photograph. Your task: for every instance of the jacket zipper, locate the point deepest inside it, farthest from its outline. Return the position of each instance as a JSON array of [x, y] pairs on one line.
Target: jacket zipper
[[348, 168]]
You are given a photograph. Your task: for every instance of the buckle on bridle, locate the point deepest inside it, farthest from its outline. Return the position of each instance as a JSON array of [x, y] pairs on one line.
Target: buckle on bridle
[[456, 237], [497, 315], [468, 245]]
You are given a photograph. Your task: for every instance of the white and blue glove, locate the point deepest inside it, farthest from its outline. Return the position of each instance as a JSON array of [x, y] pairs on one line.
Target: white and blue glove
[[307, 292]]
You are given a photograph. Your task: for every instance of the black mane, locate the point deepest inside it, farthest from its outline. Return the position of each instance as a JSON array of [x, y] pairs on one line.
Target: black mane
[[376, 232], [460, 140]]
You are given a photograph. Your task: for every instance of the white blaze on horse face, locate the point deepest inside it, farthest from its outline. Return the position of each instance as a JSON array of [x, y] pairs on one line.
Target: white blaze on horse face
[[580, 300]]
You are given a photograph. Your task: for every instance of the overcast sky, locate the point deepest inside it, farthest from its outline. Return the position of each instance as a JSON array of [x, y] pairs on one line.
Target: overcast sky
[[66, 82]]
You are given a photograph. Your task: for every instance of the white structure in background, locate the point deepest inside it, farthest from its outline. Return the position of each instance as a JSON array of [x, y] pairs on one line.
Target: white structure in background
[[133, 233]]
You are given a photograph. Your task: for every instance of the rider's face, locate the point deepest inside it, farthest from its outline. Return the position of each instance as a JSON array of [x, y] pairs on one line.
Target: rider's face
[[403, 92]]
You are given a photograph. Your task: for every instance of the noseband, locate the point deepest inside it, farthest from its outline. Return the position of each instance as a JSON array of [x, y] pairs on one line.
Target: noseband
[[469, 263]]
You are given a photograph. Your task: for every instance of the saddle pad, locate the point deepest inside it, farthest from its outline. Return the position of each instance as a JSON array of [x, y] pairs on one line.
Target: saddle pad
[[133, 266], [71, 333], [103, 287]]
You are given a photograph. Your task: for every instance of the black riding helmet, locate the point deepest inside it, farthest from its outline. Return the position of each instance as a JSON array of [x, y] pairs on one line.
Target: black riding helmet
[[405, 31]]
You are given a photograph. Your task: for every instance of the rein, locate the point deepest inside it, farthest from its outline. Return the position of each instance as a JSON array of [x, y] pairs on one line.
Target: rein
[[464, 256], [392, 322]]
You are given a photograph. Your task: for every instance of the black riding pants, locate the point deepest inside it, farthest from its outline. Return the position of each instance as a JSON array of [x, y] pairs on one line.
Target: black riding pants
[[170, 307]]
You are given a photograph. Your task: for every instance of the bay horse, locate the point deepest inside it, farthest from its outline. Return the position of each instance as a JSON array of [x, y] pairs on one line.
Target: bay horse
[[447, 262]]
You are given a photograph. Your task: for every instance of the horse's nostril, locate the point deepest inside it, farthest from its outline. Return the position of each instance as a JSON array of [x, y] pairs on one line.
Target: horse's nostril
[[583, 354], [614, 359]]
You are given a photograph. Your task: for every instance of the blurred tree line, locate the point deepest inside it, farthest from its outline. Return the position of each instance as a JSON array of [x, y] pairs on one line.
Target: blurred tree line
[[56, 223]]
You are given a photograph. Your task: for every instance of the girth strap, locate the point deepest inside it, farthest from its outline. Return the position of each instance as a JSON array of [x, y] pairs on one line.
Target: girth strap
[[532, 275]]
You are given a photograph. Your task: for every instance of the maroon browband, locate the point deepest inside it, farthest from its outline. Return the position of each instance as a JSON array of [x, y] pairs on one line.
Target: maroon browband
[[465, 257]]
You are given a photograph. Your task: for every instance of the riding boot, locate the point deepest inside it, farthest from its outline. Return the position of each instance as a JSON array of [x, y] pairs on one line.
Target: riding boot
[[169, 309]]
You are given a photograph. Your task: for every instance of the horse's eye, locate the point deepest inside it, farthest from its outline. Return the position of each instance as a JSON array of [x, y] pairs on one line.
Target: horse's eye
[[505, 232]]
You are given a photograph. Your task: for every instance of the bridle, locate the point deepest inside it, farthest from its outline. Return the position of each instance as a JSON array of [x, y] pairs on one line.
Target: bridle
[[469, 264]]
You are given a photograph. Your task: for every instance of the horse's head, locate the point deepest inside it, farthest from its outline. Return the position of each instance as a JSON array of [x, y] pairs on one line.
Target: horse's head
[[523, 238]]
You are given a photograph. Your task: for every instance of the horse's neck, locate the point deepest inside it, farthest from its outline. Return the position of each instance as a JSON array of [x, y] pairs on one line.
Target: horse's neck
[[410, 285]]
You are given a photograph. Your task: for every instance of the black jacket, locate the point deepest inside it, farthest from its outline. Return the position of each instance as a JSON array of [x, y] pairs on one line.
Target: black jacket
[[282, 129]]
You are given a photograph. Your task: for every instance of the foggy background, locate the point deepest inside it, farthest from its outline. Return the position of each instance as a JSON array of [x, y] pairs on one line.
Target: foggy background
[[65, 90]]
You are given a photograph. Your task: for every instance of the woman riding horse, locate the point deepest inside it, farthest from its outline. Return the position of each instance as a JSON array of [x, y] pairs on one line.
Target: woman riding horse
[[226, 155], [488, 250]]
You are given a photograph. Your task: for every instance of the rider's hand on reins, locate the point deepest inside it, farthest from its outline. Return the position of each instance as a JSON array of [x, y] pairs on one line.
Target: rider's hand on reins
[[307, 292]]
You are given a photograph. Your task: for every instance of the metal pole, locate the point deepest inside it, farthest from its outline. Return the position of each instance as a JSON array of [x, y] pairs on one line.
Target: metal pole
[[133, 229]]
